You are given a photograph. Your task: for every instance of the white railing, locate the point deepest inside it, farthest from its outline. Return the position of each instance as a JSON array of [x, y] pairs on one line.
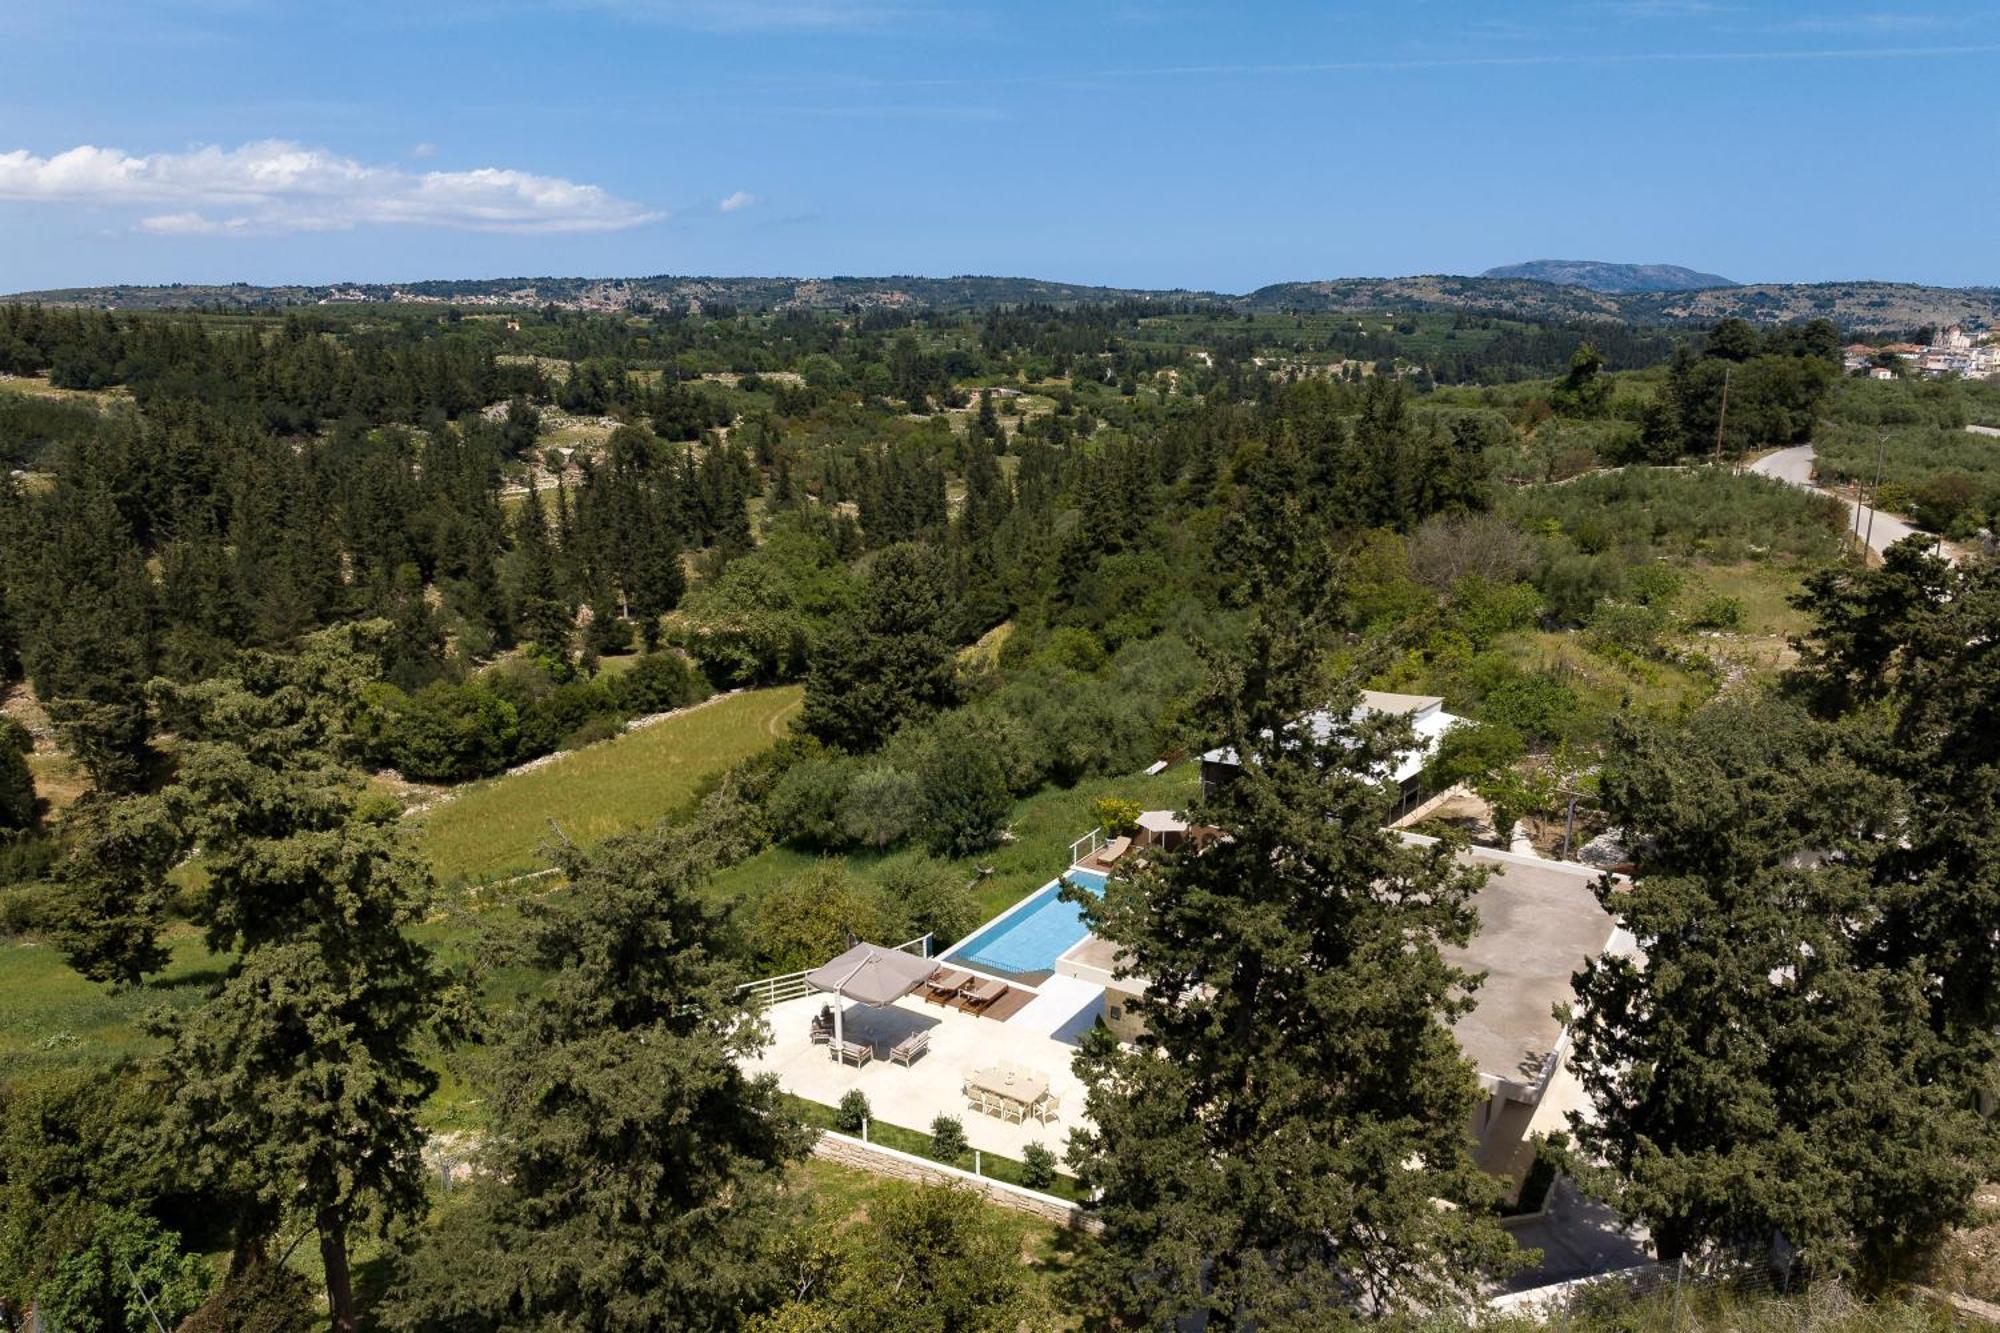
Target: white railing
[[767, 991], [1096, 840]]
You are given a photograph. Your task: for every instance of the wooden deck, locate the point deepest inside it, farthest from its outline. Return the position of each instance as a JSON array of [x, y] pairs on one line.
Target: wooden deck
[[1013, 1002]]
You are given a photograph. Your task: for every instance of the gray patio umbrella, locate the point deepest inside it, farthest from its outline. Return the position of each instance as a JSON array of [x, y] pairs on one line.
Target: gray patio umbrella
[[869, 974]]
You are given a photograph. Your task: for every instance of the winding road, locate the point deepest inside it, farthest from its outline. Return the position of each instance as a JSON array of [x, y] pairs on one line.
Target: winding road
[[1795, 465]]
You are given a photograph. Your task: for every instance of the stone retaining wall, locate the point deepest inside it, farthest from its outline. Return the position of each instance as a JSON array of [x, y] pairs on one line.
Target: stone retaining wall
[[849, 1151]]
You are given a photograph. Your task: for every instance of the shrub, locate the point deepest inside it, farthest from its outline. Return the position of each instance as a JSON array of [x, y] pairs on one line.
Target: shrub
[[1071, 648], [1535, 704], [1654, 584], [657, 683], [125, 1250], [1718, 613], [965, 796], [853, 1110], [450, 733], [882, 804], [1116, 815], [546, 722], [815, 915], [932, 898], [805, 806], [1634, 628], [26, 908], [599, 728], [947, 1138], [1038, 1167]]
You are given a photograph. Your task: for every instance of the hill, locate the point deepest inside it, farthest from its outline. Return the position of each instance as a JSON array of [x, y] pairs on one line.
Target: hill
[[1599, 276], [1864, 307]]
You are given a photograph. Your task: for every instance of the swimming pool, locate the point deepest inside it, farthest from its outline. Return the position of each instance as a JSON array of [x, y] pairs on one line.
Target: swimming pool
[[1025, 942]]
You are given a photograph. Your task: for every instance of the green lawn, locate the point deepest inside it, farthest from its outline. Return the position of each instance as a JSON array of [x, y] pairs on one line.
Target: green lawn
[[56, 1019], [1043, 826], [496, 828]]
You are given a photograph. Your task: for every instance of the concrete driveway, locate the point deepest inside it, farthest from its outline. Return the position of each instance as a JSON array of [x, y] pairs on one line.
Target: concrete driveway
[[1795, 465]]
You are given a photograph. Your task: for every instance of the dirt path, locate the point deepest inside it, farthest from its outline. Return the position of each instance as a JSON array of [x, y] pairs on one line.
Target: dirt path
[[774, 724]]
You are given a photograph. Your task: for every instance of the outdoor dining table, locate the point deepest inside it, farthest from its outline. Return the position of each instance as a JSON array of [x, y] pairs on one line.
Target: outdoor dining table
[[1010, 1083]]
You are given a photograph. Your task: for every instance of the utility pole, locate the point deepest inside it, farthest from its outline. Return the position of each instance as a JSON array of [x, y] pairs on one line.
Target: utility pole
[[1874, 496], [1722, 417]]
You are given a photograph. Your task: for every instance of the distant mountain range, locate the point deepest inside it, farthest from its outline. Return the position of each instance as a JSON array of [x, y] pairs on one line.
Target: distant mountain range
[[1861, 306], [1602, 277]]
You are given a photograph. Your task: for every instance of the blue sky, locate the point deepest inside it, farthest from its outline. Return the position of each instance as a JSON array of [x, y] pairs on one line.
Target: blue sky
[[1217, 146]]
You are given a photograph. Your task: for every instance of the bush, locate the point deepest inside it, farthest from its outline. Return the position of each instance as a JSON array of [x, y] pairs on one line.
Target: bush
[[259, 1297], [1634, 628], [126, 1250], [1654, 584], [658, 683], [882, 805], [815, 915], [965, 796], [26, 908], [932, 899], [1533, 703], [1117, 816], [1038, 1167], [599, 728], [852, 1112], [1718, 613], [547, 721], [806, 805], [452, 733], [947, 1138]]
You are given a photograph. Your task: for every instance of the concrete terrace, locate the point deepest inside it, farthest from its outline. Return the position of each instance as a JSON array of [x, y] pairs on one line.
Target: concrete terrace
[[1042, 1036]]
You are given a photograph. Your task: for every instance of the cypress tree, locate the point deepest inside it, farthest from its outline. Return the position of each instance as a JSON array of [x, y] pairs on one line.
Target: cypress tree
[[1286, 1145], [544, 617], [633, 1172]]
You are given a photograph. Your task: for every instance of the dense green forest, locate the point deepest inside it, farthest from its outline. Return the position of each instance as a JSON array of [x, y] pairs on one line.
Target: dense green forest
[[273, 585]]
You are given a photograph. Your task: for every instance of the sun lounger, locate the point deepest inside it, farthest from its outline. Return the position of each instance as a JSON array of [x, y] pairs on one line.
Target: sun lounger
[[983, 994], [945, 984], [1114, 849], [909, 1048], [856, 1053]]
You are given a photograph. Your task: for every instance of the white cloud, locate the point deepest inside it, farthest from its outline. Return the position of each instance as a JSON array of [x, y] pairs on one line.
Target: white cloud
[[424, 150], [736, 202], [274, 185]]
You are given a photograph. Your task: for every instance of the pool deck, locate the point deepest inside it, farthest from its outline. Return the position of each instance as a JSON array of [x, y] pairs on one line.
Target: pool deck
[[1041, 1036]]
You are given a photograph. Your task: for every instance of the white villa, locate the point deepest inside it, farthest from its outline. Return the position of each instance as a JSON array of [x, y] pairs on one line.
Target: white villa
[[994, 1046], [1428, 722]]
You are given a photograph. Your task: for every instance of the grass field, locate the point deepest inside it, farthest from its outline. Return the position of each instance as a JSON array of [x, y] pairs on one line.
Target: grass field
[[497, 827], [38, 386], [53, 1018]]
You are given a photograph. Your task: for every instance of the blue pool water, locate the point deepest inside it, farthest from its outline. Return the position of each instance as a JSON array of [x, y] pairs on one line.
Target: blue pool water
[[1028, 942]]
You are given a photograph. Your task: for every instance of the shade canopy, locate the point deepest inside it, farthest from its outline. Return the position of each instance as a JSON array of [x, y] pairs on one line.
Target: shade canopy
[[871, 974]]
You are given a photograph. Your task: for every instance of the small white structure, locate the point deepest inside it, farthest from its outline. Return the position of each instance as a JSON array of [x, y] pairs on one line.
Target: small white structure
[[1428, 721]]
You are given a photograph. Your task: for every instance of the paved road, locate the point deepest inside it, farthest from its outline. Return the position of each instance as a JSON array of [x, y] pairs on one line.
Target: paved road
[[1795, 466]]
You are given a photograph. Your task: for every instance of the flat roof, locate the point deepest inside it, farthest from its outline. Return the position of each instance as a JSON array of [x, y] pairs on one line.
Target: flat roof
[[1095, 960], [1428, 721], [1382, 701], [1539, 922]]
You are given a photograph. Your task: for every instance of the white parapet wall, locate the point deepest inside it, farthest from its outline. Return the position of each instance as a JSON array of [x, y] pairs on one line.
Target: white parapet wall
[[850, 1151]]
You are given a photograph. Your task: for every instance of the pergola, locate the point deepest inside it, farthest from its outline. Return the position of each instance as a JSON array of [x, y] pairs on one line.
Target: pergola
[[868, 974]]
